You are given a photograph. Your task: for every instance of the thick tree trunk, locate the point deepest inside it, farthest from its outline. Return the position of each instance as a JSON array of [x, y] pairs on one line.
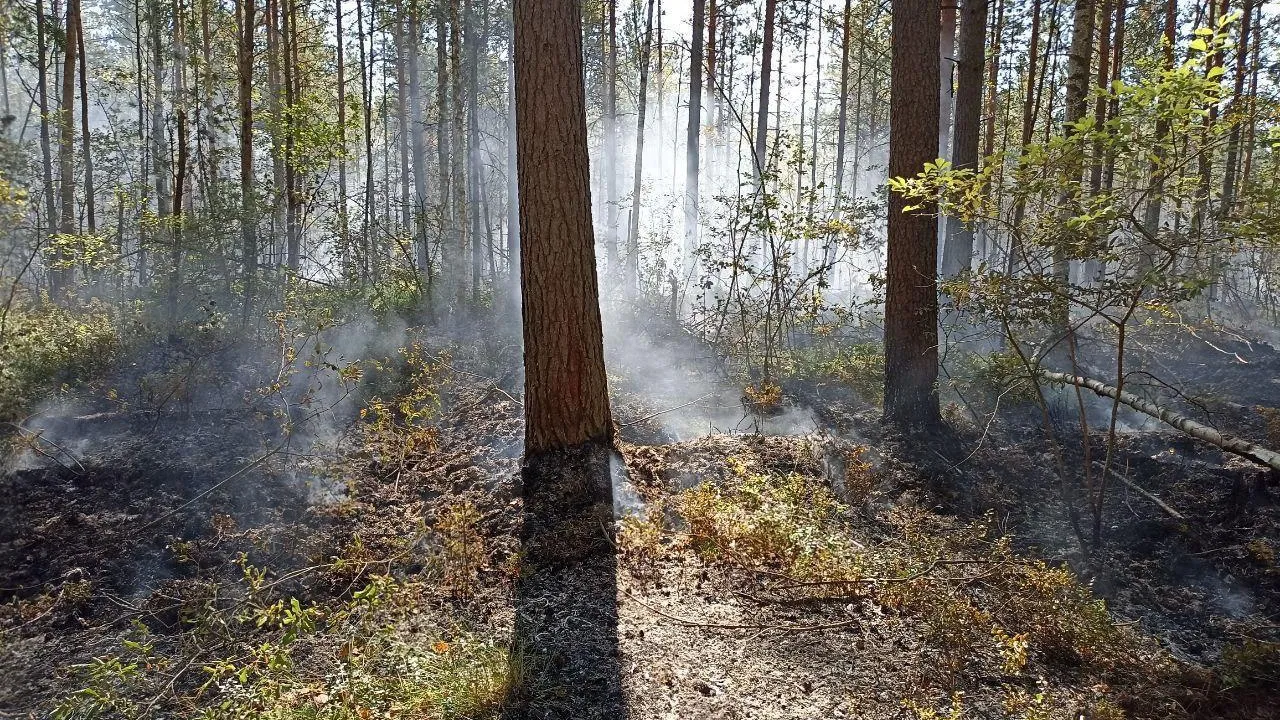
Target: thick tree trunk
[[1231, 444], [911, 300], [958, 250], [566, 398]]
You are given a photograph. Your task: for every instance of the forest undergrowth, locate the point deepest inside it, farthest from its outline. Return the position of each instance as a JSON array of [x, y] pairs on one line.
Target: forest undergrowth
[[312, 553]]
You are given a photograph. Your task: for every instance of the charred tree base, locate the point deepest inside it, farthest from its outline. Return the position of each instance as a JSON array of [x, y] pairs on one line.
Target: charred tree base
[[565, 660]]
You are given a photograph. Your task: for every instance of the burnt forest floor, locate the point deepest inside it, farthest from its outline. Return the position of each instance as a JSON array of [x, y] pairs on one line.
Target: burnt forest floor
[[203, 563]]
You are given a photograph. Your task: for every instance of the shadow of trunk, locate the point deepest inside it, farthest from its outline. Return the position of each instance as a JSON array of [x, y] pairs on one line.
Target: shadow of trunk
[[564, 660]]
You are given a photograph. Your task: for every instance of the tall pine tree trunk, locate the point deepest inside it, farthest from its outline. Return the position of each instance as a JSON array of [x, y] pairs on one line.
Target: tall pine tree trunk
[[66, 145], [248, 210], [911, 300], [632, 280], [958, 250], [566, 400], [693, 134], [766, 73]]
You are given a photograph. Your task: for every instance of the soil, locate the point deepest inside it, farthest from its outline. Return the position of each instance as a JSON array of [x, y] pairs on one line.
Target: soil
[[152, 510]]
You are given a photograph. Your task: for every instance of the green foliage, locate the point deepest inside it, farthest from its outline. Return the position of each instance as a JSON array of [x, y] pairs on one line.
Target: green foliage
[[859, 366], [1037, 200], [48, 347], [361, 659], [785, 523]]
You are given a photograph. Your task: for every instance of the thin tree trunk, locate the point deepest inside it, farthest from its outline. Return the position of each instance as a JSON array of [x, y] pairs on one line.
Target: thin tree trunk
[[766, 72], [344, 222], [513, 190], [632, 281], [402, 123], [1230, 170], [1246, 165], [418, 149], [368, 263], [475, 40], [611, 141], [458, 158], [1029, 107], [1231, 444], [293, 225], [448, 251], [993, 79], [693, 135], [180, 177], [1155, 200], [958, 250], [248, 210], [89, 192], [66, 143], [946, 65], [842, 122], [1077, 104]]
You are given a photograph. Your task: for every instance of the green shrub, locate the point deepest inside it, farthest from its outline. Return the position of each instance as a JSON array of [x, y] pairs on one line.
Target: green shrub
[[46, 348]]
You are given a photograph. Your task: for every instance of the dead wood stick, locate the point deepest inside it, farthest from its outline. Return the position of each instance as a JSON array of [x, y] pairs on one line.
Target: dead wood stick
[[1231, 444], [1148, 495], [664, 412]]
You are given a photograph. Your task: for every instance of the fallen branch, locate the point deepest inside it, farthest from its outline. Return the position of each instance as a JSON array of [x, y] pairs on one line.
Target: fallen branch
[[1235, 445], [664, 412], [1148, 495]]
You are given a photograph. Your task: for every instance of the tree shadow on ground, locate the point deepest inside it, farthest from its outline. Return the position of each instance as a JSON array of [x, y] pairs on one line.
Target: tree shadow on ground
[[565, 661]]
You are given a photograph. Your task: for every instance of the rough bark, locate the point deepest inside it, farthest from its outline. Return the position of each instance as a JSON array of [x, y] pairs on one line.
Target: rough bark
[[766, 73], [566, 397], [958, 250], [911, 300]]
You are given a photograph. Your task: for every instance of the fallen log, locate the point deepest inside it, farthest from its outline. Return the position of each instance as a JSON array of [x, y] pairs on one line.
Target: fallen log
[[1235, 445]]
